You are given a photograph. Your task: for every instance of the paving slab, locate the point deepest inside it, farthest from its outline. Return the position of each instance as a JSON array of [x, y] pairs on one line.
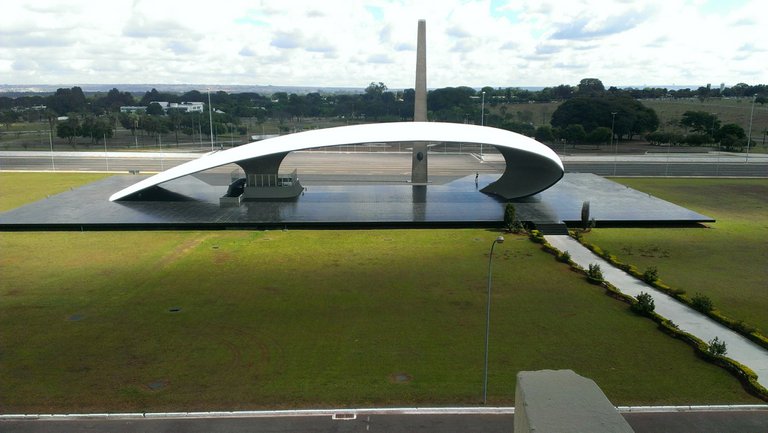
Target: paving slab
[[193, 202]]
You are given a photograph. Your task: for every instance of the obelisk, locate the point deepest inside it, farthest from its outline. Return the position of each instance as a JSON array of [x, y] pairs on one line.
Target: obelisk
[[419, 174]]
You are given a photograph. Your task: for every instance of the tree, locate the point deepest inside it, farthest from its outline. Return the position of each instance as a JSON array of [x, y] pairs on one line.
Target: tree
[[129, 121], [717, 347], [599, 135], [67, 101], [731, 136], [562, 92], [544, 134], [96, 128], [8, 117], [112, 102], [155, 109], [631, 116], [644, 305], [574, 134], [590, 87], [509, 217], [69, 128], [700, 121]]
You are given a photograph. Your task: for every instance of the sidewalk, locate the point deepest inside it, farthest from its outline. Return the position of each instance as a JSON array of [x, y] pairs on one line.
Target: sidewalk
[[739, 348]]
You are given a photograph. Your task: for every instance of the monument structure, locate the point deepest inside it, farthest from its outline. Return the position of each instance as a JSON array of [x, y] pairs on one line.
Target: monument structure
[[419, 170], [531, 167]]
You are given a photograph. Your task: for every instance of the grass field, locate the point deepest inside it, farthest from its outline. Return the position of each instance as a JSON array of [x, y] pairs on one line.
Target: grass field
[[17, 189], [727, 261], [123, 321]]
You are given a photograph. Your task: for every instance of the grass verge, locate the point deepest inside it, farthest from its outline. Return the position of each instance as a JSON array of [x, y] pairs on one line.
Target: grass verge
[[17, 189], [728, 261]]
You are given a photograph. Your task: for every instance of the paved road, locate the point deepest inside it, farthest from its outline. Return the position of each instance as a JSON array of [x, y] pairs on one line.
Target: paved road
[[379, 163], [668, 422]]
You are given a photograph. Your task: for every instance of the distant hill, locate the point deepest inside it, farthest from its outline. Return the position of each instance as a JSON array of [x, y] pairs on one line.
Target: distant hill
[[13, 90]]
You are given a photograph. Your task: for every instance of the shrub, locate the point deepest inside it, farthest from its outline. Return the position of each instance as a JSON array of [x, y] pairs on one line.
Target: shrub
[[585, 215], [517, 227], [644, 305], [537, 236], [716, 347], [697, 139], [744, 327], [702, 303], [509, 216], [594, 274], [651, 275], [564, 257]]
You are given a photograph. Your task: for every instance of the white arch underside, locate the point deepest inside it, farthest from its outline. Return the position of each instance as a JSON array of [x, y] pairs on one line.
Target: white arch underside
[[548, 168]]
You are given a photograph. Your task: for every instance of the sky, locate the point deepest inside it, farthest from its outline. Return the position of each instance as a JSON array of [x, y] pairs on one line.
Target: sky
[[334, 43]]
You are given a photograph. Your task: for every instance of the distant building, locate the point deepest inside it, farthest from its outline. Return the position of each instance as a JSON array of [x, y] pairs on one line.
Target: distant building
[[186, 107], [132, 109]]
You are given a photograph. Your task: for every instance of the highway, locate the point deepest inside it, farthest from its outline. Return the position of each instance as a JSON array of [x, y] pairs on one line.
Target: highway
[[399, 163]]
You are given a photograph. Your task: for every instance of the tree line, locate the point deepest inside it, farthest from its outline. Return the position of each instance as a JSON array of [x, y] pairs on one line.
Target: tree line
[[589, 113]]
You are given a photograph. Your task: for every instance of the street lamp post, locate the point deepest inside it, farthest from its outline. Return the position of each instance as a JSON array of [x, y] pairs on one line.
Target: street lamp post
[[498, 240], [482, 119], [210, 116], [749, 136], [616, 148]]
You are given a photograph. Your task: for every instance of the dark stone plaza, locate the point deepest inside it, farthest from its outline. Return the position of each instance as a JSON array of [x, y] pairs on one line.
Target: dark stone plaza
[[192, 203]]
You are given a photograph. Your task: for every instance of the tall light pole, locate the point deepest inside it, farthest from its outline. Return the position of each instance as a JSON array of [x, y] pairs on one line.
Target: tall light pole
[[210, 116], [498, 240], [482, 120], [616, 148], [749, 135]]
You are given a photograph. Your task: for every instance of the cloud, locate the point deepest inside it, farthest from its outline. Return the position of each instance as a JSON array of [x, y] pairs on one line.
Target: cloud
[[181, 47], [510, 46], [287, 40], [23, 65], [750, 47], [319, 46], [380, 59], [251, 21], [547, 49], [585, 28], [463, 46], [385, 34], [247, 52], [470, 42], [142, 27], [36, 40], [376, 12], [405, 46], [457, 32]]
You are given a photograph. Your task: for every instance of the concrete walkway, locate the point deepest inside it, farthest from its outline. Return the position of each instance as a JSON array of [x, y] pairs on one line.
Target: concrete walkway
[[687, 319]]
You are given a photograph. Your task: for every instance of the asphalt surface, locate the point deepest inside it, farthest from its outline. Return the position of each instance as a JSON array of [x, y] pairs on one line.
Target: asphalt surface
[[669, 422], [379, 163]]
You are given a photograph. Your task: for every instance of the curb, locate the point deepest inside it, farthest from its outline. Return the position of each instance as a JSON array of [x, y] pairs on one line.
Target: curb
[[350, 413]]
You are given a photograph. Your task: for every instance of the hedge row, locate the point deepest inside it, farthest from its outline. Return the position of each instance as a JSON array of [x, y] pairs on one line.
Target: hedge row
[[746, 376], [739, 326]]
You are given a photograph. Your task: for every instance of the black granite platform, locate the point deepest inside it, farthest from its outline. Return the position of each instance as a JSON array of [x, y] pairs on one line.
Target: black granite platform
[[192, 203]]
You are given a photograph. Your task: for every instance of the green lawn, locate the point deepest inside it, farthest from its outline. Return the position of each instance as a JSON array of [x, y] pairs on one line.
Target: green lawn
[[312, 318], [728, 261], [17, 189]]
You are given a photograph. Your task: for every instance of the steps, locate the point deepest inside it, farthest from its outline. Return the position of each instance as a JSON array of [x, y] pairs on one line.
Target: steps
[[551, 227]]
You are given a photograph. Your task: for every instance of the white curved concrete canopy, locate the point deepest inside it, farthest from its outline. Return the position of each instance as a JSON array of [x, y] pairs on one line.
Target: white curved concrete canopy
[[531, 166]]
